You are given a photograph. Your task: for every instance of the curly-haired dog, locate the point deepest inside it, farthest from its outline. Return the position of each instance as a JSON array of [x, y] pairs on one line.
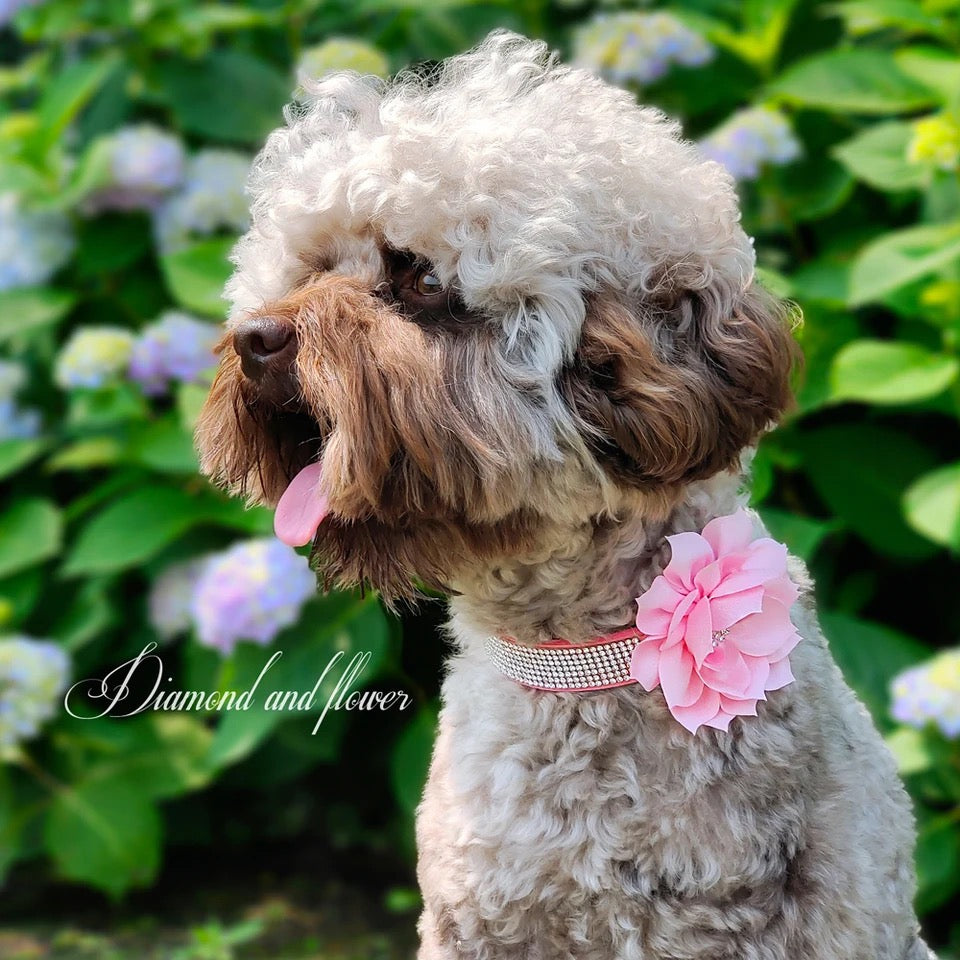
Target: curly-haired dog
[[495, 329]]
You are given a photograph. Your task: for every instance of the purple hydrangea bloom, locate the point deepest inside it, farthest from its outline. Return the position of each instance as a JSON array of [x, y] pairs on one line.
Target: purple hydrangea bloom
[[638, 47], [751, 138], [170, 601], [250, 592], [33, 674], [145, 163], [10, 8], [175, 347], [930, 694]]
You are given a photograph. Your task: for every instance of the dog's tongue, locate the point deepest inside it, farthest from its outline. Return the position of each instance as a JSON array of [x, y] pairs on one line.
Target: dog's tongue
[[301, 508]]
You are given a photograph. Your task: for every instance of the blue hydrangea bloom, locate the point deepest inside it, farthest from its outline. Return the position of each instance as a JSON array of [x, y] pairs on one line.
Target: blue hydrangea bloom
[[10, 8], [250, 592], [930, 694], [16, 423], [637, 47], [93, 357], [145, 164], [175, 347], [33, 675], [212, 198], [33, 244], [751, 138]]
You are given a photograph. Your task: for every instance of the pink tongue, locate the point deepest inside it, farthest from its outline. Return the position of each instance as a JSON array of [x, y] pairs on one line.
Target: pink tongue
[[301, 508]]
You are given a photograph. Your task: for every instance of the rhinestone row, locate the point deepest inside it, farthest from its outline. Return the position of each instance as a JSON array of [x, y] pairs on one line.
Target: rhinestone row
[[561, 667]]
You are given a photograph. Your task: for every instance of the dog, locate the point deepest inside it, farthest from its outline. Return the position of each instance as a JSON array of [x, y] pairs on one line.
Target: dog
[[495, 331]]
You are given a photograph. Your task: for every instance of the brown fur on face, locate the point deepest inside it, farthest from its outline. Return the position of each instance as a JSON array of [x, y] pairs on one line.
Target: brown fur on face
[[668, 396], [419, 477]]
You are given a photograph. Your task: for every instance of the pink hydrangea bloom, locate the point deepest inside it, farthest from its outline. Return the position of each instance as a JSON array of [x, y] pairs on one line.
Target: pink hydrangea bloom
[[717, 624]]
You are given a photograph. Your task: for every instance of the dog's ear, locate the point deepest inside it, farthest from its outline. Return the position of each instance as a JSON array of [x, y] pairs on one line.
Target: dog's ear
[[672, 392]]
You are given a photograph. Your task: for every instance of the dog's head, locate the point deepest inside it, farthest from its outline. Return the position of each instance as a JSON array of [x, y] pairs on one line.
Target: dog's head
[[475, 302]]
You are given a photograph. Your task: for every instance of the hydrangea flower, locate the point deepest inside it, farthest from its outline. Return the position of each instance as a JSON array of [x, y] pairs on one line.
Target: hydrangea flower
[[213, 197], [16, 423], [936, 141], [175, 347], [717, 625], [930, 693], [33, 674], [170, 601], [342, 54], [145, 163], [33, 244], [751, 138], [250, 592], [93, 356], [10, 8], [638, 47]]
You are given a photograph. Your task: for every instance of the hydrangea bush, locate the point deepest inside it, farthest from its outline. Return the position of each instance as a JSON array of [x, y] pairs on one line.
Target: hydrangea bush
[[126, 138]]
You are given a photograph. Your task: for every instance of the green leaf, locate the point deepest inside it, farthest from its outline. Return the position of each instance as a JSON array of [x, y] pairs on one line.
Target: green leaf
[[228, 95], [869, 16], [29, 310], [135, 527], [85, 454], [165, 446], [910, 749], [870, 656], [852, 80], [883, 371], [410, 762], [878, 157], [196, 275], [801, 534], [88, 613], [68, 91], [896, 259], [932, 506], [105, 833], [934, 67], [31, 531], [938, 861], [861, 472], [15, 454]]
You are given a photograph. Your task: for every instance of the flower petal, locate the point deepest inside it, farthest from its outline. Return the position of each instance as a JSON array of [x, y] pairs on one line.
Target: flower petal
[[645, 664], [655, 608], [768, 556], [708, 579], [782, 589], [780, 675], [697, 714], [698, 636], [759, 672], [729, 534], [720, 722], [734, 608], [680, 683], [762, 634], [738, 708], [726, 671], [689, 554]]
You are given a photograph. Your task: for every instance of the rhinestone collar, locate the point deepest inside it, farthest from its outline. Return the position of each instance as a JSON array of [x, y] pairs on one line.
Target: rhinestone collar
[[563, 667]]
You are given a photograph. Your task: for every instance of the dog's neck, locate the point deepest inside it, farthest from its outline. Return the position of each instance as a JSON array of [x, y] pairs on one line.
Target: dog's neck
[[582, 579]]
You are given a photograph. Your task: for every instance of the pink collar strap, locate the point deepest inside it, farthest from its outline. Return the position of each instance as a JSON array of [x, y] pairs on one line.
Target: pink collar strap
[[563, 667]]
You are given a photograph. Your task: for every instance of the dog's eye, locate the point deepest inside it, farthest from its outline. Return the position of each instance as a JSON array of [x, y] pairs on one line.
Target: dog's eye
[[426, 284]]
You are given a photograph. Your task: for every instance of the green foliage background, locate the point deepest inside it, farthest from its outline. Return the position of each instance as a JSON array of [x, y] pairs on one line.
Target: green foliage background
[[863, 480]]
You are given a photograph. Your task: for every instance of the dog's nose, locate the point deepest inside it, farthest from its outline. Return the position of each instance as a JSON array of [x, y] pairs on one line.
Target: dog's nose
[[266, 347]]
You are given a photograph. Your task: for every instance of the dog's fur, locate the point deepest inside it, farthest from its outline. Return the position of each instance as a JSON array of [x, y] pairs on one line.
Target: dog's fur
[[597, 368]]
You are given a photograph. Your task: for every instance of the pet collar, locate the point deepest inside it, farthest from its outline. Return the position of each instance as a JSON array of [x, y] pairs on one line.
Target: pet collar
[[713, 632]]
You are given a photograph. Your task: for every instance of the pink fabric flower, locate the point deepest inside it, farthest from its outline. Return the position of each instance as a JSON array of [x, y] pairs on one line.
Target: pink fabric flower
[[717, 624]]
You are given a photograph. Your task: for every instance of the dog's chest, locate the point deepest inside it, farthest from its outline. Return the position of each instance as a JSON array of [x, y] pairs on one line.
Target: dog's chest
[[568, 821]]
